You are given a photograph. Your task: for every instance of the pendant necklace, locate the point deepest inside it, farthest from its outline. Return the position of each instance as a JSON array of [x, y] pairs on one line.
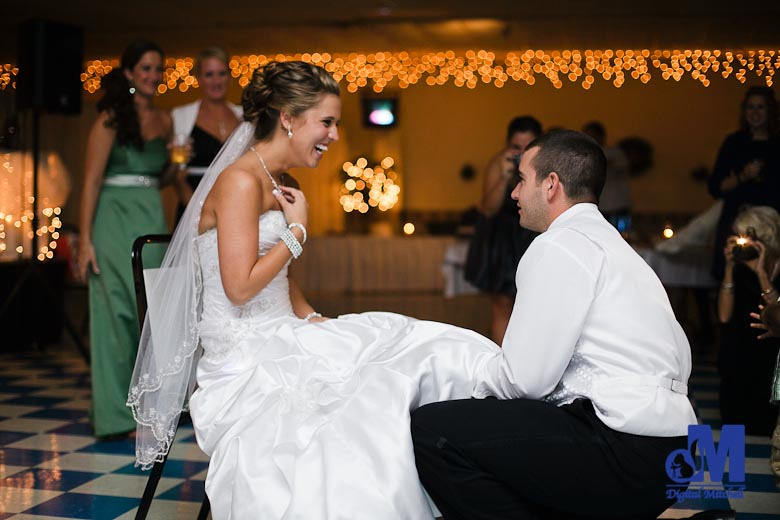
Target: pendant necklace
[[276, 190]]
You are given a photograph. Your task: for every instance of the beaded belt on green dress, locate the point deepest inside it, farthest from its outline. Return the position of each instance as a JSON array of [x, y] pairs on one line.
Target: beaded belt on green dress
[[132, 181]]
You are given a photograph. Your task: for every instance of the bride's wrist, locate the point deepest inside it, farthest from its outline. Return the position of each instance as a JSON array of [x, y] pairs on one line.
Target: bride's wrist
[[292, 242], [298, 230]]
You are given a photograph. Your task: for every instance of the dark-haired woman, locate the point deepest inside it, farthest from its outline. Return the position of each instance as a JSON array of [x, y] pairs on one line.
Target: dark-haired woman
[[302, 417], [747, 170], [125, 159], [499, 242]]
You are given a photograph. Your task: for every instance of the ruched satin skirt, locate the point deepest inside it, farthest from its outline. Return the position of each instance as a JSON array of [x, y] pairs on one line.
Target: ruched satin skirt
[[311, 421]]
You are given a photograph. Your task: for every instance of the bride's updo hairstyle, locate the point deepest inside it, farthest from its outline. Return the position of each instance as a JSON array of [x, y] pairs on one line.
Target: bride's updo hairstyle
[[290, 86]]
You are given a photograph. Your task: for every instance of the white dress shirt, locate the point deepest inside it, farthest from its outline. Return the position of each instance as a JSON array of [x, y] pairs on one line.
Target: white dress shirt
[[591, 319]]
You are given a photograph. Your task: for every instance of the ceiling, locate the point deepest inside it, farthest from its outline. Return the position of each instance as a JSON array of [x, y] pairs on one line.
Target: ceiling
[[371, 25]]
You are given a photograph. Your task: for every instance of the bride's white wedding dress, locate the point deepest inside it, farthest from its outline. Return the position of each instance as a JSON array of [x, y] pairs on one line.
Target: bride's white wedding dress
[[311, 421]]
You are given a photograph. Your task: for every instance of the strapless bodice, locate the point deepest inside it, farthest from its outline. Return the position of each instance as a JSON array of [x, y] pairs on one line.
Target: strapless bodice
[[218, 314]]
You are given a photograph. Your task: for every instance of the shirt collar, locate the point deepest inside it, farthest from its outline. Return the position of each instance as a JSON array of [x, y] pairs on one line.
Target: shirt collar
[[577, 209]]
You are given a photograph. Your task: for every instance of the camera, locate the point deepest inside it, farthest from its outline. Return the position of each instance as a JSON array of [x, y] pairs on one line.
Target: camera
[[744, 250], [516, 161]]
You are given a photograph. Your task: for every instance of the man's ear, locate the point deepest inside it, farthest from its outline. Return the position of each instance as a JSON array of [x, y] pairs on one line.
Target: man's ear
[[552, 185]]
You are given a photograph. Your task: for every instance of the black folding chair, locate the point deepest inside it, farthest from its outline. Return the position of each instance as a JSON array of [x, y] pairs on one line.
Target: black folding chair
[[140, 297]]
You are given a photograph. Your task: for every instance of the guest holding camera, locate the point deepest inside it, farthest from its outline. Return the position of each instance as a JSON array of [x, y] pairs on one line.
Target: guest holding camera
[[746, 364], [498, 241]]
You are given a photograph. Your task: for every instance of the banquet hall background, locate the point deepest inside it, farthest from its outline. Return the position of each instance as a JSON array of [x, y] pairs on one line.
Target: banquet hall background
[[445, 134], [443, 128]]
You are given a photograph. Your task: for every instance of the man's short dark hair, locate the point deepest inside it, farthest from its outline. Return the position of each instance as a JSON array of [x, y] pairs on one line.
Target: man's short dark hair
[[577, 159], [523, 124]]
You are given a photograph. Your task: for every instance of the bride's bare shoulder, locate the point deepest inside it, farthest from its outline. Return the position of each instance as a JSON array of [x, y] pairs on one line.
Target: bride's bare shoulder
[[237, 181], [236, 188]]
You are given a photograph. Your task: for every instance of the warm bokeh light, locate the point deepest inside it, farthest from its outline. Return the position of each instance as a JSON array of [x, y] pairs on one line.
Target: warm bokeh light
[[377, 70], [668, 232], [25, 220], [16, 212], [408, 228], [378, 184]]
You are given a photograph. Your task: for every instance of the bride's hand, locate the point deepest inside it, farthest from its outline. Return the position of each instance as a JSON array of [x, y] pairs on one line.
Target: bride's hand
[[294, 205]]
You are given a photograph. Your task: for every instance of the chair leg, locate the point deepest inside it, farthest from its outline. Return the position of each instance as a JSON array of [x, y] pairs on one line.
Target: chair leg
[[204, 509], [151, 487]]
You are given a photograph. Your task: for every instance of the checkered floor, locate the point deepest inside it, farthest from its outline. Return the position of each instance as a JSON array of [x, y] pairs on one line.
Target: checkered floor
[[51, 467]]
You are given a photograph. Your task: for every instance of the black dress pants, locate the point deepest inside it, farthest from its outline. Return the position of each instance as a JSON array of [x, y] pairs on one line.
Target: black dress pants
[[525, 459]]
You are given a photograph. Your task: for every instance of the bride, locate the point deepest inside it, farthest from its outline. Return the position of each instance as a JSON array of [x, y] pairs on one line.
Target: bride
[[303, 417]]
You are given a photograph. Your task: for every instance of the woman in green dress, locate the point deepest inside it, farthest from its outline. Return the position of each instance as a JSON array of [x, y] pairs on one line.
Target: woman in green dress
[[125, 159]]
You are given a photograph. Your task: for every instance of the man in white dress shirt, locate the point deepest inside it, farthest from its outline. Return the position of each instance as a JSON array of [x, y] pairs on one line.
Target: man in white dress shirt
[[591, 383]]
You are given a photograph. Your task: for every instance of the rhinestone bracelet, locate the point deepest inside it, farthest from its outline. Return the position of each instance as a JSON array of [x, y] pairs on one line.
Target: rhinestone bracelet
[[292, 243], [299, 226], [311, 315]]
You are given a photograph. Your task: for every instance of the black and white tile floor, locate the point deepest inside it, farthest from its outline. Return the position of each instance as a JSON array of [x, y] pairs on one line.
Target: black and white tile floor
[[51, 467]]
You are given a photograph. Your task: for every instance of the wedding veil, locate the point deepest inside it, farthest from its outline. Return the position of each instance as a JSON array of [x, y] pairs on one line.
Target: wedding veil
[[168, 353]]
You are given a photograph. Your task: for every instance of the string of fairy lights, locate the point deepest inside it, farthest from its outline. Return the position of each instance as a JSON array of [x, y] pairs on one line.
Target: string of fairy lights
[[377, 187], [379, 70], [16, 216]]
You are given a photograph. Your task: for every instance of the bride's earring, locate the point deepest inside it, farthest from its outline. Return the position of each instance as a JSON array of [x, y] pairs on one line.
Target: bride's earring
[[289, 132], [132, 87]]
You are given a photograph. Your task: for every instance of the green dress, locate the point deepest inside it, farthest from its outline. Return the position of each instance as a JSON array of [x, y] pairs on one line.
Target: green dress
[[129, 205]]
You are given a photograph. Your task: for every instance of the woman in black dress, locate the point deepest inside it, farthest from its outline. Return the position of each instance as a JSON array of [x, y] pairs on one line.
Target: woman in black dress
[[746, 363], [208, 121], [747, 171], [499, 241]]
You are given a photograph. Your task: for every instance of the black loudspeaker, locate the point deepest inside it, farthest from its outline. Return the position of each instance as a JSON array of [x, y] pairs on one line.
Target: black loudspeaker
[[50, 61]]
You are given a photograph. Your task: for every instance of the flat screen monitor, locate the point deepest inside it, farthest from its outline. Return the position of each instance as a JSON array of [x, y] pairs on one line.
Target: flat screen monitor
[[380, 112]]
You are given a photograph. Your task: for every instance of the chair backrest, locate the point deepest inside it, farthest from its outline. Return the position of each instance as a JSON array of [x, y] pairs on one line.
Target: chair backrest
[[142, 276], [143, 279]]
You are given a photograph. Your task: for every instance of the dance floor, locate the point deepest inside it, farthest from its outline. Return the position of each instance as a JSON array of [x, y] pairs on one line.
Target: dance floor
[[51, 467]]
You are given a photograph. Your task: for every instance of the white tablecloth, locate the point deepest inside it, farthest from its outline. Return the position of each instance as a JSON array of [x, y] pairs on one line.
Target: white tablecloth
[[364, 263], [453, 266], [690, 269]]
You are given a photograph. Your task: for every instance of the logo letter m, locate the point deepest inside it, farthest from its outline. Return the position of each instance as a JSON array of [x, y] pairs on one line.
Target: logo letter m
[[731, 445]]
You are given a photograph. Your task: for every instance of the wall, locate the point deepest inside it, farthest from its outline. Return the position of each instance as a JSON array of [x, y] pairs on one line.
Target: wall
[[443, 128]]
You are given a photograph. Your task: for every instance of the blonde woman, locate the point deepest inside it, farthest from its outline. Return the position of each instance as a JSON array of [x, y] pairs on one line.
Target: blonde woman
[[208, 121], [746, 364]]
